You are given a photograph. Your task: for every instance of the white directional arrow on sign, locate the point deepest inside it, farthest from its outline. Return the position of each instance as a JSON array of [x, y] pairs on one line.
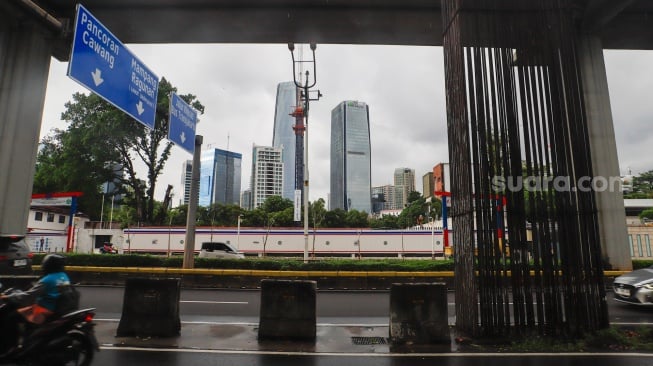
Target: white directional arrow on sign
[[182, 137], [139, 107], [97, 77]]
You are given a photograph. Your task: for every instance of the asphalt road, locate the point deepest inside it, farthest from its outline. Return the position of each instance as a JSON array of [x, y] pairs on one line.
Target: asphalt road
[[333, 307], [228, 308], [190, 357]]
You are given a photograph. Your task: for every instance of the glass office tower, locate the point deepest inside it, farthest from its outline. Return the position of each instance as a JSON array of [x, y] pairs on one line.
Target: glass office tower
[[351, 165], [284, 136], [220, 172]]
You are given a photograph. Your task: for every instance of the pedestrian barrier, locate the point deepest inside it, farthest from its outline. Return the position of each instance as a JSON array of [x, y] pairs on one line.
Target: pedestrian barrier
[[150, 308], [288, 310], [418, 314]]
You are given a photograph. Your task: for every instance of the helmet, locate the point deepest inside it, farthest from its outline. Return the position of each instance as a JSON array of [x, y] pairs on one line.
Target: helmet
[[53, 263]]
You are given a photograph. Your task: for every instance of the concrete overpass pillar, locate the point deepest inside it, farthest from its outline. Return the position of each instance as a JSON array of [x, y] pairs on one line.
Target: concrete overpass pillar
[[24, 64], [605, 162]]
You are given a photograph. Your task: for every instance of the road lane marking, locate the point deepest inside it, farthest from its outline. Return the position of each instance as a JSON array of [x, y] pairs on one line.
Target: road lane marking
[[199, 322], [367, 354], [215, 302]]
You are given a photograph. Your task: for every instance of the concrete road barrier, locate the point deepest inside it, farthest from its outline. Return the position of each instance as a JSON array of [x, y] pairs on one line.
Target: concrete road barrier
[[288, 310], [150, 308], [418, 314]]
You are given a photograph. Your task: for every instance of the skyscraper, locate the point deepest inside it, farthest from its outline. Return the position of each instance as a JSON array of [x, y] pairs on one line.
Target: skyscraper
[[267, 174], [186, 176], [220, 173], [284, 135], [404, 184], [351, 166]]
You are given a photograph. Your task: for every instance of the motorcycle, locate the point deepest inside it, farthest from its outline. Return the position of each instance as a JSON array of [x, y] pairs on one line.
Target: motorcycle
[[65, 340]]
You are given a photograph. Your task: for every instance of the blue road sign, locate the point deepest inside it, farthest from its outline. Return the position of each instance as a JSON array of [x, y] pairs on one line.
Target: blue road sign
[[182, 123], [100, 62]]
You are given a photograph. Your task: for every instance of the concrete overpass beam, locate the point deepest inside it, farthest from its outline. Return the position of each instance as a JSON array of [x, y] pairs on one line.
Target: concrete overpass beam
[[605, 162], [600, 13], [24, 64]]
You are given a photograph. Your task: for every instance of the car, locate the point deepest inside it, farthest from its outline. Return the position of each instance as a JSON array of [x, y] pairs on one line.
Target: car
[[219, 250], [15, 256], [635, 287]]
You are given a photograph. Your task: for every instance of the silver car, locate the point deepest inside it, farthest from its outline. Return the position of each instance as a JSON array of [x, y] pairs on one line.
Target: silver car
[[15, 256], [635, 287]]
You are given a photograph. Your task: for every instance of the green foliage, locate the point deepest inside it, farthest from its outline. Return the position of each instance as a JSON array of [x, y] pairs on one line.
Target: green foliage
[[643, 183], [276, 204], [356, 219], [139, 260], [647, 214], [642, 263], [99, 137], [614, 338], [385, 222]]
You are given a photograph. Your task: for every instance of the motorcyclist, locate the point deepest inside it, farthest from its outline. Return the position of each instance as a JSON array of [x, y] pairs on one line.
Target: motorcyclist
[[43, 296], [107, 248]]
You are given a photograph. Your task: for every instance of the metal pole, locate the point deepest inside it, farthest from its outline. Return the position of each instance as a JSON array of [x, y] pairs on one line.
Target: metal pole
[[432, 236], [189, 244], [111, 216], [102, 212], [238, 234], [169, 229], [306, 176], [307, 85]]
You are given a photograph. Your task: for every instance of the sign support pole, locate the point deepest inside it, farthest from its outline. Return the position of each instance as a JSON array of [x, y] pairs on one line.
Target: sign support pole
[[189, 243]]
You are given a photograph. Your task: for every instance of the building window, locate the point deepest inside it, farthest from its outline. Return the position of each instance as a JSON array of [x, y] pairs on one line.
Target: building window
[[38, 216], [50, 217], [630, 245], [648, 245], [640, 252], [62, 219]]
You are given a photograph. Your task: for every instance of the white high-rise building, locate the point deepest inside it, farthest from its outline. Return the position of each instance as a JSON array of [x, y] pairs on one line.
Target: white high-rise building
[[186, 176], [267, 173]]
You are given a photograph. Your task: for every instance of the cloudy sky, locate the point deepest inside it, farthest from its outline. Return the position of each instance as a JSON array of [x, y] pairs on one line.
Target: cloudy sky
[[403, 86]]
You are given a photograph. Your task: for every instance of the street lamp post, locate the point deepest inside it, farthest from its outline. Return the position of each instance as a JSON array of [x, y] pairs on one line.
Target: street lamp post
[[240, 217], [305, 97]]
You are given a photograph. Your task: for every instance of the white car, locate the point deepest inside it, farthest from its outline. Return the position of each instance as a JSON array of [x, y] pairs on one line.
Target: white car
[[635, 287], [219, 250]]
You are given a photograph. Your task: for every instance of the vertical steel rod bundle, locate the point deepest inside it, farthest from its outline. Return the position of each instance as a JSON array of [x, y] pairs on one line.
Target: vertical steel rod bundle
[[528, 254]]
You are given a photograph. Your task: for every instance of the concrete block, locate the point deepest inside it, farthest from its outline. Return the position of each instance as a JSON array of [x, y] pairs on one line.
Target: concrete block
[[150, 308], [418, 314], [288, 310]]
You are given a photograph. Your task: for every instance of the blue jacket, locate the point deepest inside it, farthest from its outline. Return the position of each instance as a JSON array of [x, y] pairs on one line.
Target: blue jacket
[[45, 291]]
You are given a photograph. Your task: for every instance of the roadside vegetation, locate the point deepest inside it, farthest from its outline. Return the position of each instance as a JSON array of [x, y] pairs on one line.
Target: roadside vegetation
[[138, 260], [612, 339], [270, 263]]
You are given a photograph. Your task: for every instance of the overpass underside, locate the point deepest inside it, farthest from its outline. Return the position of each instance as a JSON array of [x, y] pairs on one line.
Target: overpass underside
[[526, 96]]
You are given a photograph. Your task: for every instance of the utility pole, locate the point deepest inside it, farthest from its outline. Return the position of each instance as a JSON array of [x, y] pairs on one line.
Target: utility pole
[[305, 98]]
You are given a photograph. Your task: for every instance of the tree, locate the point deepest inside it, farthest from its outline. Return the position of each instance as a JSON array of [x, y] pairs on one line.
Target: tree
[[101, 136], [385, 222], [646, 214], [409, 216], [335, 218], [65, 163], [356, 219], [276, 204], [414, 196], [643, 185]]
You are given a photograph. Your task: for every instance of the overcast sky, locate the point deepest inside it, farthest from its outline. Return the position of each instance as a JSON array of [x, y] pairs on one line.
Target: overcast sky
[[403, 86]]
